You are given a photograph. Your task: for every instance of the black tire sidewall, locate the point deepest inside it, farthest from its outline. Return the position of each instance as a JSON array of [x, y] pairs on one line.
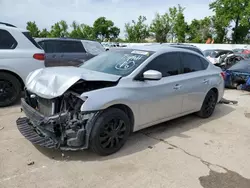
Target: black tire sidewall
[[202, 113], [17, 86], [99, 122]]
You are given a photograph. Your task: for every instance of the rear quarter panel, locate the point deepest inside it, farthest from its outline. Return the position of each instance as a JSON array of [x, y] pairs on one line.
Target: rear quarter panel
[[20, 62]]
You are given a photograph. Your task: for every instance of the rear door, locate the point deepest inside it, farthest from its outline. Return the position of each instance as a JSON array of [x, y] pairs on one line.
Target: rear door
[[73, 53], [52, 52], [195, 83]]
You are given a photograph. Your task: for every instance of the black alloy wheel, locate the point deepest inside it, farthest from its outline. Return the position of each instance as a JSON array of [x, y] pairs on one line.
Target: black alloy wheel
[[208, 105], [110, 131], [10, 89]]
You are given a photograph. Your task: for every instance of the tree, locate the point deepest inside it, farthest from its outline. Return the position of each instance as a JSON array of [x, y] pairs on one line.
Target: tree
[[59, 29], [81, 31], [177, 23], [200, 30], [160, 27], [33, 29], [220, 27], [105, 29], [180, 25], [236, 13], [44, 33], [137, 31]]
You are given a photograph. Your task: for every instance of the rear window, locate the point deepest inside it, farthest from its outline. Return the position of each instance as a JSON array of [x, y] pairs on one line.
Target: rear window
[[7, 41], [27, 35], [71, 47], [93, 48], [62, 46]]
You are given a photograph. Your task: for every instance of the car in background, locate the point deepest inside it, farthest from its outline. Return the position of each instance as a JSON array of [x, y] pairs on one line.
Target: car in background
[[67, 51], [98, 104], [238, 74], [19, 55], [245, 53], [214, 55]]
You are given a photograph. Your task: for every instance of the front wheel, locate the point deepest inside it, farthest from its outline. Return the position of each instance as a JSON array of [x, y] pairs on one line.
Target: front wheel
[[110, 131], [208, 105], [10, 89]]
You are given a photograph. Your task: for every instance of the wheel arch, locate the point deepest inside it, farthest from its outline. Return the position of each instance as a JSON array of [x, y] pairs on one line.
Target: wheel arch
[[14, 74], [128, 111]]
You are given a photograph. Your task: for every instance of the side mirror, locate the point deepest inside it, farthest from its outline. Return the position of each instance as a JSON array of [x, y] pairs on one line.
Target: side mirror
[[152, 75]]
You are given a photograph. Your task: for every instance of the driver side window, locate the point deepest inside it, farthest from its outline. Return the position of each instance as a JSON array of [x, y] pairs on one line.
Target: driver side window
[[168, 64]]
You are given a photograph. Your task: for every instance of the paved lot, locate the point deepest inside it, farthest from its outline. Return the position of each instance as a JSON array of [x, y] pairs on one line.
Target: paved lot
[[185, 153]]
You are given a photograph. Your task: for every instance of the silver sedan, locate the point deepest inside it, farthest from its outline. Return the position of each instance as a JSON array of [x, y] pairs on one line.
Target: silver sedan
[[98, 104]]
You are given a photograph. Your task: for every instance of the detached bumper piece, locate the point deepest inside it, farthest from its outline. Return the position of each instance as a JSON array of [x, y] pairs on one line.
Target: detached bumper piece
[[29, 133]]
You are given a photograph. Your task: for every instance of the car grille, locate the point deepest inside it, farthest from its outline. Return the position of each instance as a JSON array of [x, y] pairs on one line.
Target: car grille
[[45, 106]]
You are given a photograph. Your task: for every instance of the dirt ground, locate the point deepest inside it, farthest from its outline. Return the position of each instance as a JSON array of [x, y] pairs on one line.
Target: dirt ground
[[187, 152]]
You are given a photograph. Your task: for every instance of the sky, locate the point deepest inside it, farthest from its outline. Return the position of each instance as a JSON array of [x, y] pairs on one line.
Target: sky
[[46, 12]]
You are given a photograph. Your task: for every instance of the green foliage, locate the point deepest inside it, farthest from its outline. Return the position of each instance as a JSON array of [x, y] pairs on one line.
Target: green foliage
[[180, 25], [200, 30], [105, 29], [44, 33], [236, 13], [59, 29], [82, 31], [138, 31], [32, 27], [160, 27], [228, 16]]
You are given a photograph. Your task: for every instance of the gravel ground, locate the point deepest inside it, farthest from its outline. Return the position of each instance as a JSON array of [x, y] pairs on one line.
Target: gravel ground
[[187, 152]]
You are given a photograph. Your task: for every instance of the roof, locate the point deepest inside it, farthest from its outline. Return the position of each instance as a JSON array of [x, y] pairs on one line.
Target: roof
[[63, 39], [160, 48], [8, 26]]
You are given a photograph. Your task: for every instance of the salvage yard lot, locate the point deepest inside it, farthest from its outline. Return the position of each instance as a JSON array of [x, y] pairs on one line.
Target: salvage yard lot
[[185, 153]]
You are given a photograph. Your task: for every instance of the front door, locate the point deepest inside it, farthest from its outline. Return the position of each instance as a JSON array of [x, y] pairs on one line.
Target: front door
[[160, 99]]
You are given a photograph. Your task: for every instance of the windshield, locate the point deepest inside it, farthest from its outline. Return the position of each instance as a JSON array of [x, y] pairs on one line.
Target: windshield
[[118, 62]]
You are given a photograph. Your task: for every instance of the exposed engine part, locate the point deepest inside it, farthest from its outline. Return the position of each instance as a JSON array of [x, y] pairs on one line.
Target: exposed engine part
[[228, 60], [64, 122]]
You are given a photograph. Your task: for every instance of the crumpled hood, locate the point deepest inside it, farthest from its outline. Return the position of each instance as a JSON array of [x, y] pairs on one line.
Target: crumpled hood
[[53, 82]]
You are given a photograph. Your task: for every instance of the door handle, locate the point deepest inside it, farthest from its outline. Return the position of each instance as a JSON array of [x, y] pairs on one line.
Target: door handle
[[177, 86], [205, 81]]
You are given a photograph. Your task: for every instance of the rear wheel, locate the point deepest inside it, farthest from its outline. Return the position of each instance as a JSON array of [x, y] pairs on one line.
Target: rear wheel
[[110, 131], [208, 105], [10, 89]]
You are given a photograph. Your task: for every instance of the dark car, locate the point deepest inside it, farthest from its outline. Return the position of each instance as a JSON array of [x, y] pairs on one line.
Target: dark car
[[68, 52], [237, 74]]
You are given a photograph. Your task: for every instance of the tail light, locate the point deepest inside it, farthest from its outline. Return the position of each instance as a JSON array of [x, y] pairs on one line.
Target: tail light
[[223, 75], [39, 56]]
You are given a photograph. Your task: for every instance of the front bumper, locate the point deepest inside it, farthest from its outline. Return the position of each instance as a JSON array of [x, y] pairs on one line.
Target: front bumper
[[29, 132], [38, 129]]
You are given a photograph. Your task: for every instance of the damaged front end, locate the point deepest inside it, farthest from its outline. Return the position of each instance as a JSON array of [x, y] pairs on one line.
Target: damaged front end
[[57, 122]]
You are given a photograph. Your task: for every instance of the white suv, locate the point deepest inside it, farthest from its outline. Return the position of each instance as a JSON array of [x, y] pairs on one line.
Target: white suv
[[19, 55]]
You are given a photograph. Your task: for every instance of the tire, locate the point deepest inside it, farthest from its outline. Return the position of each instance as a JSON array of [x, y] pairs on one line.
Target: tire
[[208, 105], [107, 135], [10, 89]]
